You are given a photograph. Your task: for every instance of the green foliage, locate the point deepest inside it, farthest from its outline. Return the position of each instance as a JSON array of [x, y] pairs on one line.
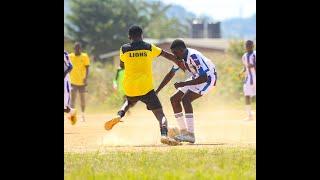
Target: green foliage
[[68, 46], [102, 25], [229, 83], [100, 89], [159, 26], [237, 48]]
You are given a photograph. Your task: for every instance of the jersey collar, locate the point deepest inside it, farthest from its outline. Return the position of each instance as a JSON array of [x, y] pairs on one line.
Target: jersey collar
[[185, 55]]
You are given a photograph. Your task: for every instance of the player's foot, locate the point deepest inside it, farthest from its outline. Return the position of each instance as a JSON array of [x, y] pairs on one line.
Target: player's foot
[[83, 118], [173, 131], [109, 124], [72, 116], [169, 141], [188, 137], [249, 118], [183, 131]]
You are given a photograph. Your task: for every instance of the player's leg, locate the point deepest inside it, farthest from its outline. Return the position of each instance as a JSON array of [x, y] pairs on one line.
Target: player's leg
[[67, 110], [127, 112], [128, 103], [176, 101], [248, 93], [82, 92], [74, 91], [248, 106], [187, 100], [177, 109], [153, 103], [163, 123], [66, 97], [72, 115]]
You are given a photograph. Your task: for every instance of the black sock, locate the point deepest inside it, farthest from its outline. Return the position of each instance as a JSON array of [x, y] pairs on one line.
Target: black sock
[[164, 130], [121, 113]]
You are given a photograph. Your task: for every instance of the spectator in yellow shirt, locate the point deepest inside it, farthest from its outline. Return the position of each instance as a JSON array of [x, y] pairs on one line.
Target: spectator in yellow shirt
[[79, 76]]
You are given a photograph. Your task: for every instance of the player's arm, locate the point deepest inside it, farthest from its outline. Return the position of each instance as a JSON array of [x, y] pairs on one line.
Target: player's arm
[[173, 58], [87, 74], [86, 65], [114, 82], [115, 85], [199, 80], [167, 79], [67, 64], [66, 72], [243, 70], [244, 67]]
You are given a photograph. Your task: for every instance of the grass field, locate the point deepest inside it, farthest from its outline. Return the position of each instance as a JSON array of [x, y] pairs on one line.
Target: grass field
[[224, 149], [219, 162]]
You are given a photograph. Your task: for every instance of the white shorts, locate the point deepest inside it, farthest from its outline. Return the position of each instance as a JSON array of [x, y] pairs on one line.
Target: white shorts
[[203, 88], [249, 89], [67, 93]]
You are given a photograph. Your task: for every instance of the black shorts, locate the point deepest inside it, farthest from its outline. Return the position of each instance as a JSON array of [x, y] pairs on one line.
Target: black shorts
[[150, 99], [81, 89]]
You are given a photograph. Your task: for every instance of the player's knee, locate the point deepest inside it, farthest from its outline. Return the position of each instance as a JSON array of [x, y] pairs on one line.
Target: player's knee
[[186, 100], [174, 99]]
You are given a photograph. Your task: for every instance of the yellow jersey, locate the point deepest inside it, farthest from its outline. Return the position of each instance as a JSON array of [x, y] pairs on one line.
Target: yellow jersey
[[79, 63], [137, 58]]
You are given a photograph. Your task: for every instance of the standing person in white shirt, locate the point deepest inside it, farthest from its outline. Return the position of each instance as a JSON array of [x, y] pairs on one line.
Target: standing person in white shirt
[[249, 86]]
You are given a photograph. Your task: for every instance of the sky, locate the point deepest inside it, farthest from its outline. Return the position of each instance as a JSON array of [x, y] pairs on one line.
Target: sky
[[218, 9]]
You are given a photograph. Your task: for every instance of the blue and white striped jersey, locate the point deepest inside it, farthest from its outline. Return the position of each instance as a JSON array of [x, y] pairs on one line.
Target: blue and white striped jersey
[[196, 63]]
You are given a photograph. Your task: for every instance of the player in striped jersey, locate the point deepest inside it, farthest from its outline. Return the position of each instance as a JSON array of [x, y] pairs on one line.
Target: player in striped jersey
[[202, 78], [249, 86], [67, 90]]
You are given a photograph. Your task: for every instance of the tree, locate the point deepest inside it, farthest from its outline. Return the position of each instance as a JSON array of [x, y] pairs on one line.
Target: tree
[[160, 26], [102, 25]]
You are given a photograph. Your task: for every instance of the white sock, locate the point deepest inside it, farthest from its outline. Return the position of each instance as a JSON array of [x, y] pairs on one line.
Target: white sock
[[180, 120], [248, 109], [189, 120]]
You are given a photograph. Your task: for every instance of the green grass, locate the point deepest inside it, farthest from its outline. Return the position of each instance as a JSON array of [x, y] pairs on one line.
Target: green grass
[[205, 163]]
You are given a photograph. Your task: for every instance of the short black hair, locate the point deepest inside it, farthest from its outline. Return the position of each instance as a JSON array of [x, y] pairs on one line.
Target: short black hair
[[178, 44], [135, 31], [249, 41], [78, 43]]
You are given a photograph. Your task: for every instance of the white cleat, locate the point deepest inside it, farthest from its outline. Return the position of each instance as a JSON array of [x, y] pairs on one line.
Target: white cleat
[[169, 141], [189, 137], [249, 118]]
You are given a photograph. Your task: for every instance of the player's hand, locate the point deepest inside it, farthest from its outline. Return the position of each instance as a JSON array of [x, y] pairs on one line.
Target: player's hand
[[115, 86], [179, 84], [85, 82], [157, 92], [241, 75]]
